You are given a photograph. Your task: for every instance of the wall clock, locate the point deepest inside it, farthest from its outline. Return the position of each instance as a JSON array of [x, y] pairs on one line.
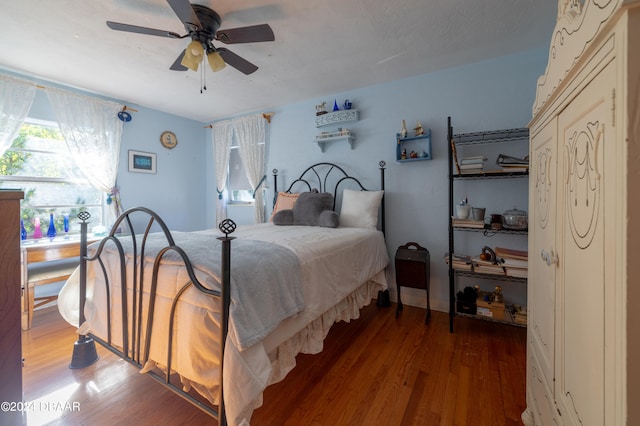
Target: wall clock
[[168, 139]]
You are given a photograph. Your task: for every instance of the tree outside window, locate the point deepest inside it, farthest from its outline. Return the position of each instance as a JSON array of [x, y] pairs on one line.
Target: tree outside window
[[39, 163]]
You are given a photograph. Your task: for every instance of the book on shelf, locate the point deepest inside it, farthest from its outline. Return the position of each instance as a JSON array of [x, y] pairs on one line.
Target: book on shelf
[[472, 166], [508, 253], [455, 156], [509, 262], [486, 267], [459, 261], [480, 159], [470, 171], [467, 223], [515, 272], [514, 169]]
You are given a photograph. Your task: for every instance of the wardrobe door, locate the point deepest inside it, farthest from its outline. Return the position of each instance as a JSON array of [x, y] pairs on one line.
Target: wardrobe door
[[587, 142], [542, 265]]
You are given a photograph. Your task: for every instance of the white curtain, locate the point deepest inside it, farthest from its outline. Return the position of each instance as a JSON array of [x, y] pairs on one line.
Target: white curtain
[[16, 97], [221, 139], [93, 134], [250, 132]]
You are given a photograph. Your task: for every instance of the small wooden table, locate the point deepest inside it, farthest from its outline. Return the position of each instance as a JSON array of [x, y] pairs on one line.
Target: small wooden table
[[39, 252]]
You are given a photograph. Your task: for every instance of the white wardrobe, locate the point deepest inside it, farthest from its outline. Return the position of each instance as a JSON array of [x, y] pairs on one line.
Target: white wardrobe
[[583, 351]]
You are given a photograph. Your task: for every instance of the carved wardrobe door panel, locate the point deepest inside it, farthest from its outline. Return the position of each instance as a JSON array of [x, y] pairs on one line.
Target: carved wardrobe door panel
[[587, 146], [542, 263]]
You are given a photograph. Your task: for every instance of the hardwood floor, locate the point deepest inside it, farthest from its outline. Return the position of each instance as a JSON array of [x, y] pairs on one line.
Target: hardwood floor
[[373, 371]]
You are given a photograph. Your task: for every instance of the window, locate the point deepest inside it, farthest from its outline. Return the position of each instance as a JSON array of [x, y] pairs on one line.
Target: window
[[240, 189], [39, 163]]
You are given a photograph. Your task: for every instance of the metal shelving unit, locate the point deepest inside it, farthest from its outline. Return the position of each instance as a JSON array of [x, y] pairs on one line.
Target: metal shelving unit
[[460, 140]]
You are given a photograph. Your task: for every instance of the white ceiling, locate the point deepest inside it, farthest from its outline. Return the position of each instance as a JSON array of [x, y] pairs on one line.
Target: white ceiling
[[321, 47]]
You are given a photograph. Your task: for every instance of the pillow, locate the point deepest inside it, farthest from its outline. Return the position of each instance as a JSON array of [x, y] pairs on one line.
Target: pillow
[[329, 219], [309, 206], [284, 201], [360, 208], [283, 217]]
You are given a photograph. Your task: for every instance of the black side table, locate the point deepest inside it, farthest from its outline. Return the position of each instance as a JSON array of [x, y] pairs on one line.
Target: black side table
[[413, 270]]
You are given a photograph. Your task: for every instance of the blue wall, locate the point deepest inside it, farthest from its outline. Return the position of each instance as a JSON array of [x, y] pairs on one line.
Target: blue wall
[[493, 94], [176, 191]]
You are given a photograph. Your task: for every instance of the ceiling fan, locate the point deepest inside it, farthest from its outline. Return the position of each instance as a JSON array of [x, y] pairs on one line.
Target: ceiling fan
[[202, 26]]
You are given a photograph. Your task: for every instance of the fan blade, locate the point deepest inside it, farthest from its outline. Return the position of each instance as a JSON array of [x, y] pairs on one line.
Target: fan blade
[[177, 64], [236, 61], [250, 34], [141, 30], [185, 12]]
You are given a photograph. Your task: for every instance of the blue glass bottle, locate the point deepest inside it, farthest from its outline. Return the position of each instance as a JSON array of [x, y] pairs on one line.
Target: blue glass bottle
[[66, 225], [51, 233], [23, 231]]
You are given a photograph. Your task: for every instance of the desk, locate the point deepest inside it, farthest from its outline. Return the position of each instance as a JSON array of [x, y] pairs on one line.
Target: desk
[[39, 252]]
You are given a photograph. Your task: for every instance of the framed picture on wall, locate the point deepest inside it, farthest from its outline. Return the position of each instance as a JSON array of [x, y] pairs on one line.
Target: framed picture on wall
[[142, 162]]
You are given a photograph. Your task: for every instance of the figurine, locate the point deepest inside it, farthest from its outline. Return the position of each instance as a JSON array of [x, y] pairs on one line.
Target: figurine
[[347, 104], [497, 295], [321, 108], [419, 130], [403, 132], [404, 154], [413, 154]]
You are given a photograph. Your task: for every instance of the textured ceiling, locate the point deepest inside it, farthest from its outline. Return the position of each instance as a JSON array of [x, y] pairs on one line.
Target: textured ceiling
[[321, 47]]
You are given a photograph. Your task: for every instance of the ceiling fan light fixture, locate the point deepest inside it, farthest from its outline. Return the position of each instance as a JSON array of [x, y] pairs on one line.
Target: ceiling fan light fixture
[[193, 55], [215, 61]]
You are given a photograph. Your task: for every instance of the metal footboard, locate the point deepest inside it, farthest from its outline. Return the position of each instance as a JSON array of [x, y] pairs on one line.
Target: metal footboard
[[136, 336]]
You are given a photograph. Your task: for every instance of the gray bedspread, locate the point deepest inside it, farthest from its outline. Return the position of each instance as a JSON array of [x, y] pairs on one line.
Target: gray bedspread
[[265, 279]]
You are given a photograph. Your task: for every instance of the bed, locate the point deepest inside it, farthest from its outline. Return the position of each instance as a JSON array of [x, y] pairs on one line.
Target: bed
[[205, 308]]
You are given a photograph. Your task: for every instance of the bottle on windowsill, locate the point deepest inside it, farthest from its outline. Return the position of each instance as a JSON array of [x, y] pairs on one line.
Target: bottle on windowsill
[[51, 233], [37, 232]]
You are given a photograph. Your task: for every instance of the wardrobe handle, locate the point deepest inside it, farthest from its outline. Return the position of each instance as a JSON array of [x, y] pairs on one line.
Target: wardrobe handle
[[549, 257]]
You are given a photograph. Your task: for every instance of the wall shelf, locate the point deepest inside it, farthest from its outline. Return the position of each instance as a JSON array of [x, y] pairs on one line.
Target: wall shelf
[[337, 117], [322, 141], [420, 144]]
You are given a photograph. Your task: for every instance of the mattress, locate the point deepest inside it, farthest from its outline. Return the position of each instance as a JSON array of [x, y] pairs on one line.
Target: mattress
[[341, 269]]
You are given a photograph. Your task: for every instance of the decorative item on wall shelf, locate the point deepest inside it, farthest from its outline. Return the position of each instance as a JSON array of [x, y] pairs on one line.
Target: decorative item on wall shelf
[[142, 162], [321, 108], [168, 139], [404, 132], [335, 105], [418, 147], [347, 104], [418, 129]]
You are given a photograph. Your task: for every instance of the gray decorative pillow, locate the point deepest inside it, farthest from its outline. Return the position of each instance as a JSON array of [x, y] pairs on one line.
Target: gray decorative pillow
[[310, 209], [309, 206], [283, 217], [329, 219]]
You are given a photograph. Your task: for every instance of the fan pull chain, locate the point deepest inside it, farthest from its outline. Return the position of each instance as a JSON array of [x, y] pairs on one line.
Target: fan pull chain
[[203, 79]]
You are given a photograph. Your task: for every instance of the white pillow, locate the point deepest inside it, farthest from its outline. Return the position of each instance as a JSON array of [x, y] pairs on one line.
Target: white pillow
[[360, 208]]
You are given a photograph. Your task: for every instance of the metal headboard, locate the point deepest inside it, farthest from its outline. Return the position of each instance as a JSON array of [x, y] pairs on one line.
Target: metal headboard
[[322, 175]]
